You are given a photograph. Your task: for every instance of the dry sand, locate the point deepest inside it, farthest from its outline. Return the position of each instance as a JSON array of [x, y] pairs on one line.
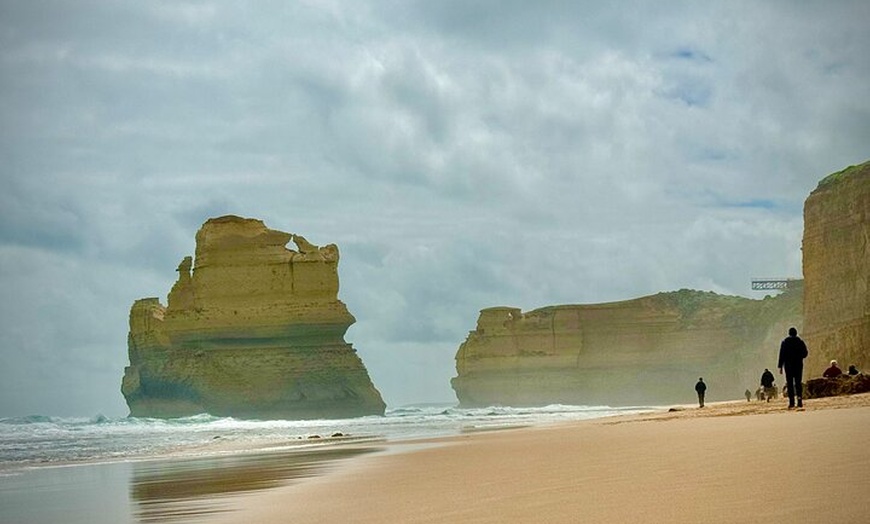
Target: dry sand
[[733, 462]]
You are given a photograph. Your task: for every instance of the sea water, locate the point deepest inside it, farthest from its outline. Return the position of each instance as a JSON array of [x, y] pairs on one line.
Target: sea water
[[35, 441], [129, 470]]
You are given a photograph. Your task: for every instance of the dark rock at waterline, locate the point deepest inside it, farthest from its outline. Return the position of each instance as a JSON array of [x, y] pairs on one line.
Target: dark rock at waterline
[[832, 387]]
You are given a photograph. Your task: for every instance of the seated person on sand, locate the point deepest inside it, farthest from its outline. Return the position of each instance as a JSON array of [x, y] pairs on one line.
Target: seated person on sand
[[853, 370], [833, 371]]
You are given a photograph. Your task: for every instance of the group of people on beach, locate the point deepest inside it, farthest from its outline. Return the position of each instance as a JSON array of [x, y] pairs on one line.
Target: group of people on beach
[[835, 371], [792, 352]]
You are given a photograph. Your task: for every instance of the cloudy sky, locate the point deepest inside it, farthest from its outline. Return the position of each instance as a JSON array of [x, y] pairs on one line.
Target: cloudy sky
[[462, 154]]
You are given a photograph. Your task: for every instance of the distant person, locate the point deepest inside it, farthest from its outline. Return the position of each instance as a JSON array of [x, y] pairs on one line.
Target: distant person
[[853, 370], [833, 371], [792, 352], [701, 389], [767, 384], [748, 395]]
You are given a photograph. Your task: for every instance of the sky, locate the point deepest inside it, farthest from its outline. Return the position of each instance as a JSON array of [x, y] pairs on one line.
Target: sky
[[461, 154]]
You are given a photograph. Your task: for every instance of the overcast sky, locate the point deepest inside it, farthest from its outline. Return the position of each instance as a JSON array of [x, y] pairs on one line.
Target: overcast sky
[[461, 154]]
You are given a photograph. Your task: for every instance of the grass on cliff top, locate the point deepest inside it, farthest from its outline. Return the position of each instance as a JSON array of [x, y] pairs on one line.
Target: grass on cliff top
[[689, 301], [834, 178], [745, 311]]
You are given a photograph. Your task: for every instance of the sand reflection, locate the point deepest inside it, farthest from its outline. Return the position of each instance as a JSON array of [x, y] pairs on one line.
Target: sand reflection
[[189, 490]]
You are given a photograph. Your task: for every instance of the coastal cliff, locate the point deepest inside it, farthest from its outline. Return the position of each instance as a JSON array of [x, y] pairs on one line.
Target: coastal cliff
[[650, 350], [836, 267], [252, 329], [645, 351]]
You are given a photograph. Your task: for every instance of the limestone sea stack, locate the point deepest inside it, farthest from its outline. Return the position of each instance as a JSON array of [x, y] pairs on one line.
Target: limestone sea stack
[[836, 267], [252, 329], [646, 351]]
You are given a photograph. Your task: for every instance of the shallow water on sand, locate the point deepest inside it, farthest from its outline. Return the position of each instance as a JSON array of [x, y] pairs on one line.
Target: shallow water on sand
[[182, 470], [160, 491]]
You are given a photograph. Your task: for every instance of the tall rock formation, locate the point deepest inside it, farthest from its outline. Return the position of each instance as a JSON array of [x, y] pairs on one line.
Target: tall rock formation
[[252, 329], [836, 267], [646, 351]]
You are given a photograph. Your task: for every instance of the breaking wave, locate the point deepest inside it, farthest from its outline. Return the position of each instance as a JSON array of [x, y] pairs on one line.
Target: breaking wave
[[39, 440]]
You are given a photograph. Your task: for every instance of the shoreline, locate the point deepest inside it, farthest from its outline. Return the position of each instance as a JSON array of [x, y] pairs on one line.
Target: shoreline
[[115, 443], [181, 481], [169, 489], [732, 461], [585, 470], [210, 451]]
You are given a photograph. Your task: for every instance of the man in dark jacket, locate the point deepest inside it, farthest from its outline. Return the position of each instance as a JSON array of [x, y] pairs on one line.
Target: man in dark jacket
[[700, 389], [792, 352], [767, 384]]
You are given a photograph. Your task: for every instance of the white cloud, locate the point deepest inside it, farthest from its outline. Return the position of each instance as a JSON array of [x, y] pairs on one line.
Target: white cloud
[[461, 156]]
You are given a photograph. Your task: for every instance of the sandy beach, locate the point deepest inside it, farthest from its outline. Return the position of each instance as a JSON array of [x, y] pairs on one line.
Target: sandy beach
[[729, 462]]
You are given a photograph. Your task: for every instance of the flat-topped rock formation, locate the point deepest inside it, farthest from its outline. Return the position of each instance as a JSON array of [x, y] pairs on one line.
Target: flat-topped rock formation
[[646, 351], [836, 267], [252, 329]]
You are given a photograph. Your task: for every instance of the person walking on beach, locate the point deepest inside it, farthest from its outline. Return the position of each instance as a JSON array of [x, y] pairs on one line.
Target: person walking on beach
[[701, 388], [792, 352], [767, 384]]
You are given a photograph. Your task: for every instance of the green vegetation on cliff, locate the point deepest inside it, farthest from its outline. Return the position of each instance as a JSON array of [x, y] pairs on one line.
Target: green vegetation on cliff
[[835, 178], [689, 301]]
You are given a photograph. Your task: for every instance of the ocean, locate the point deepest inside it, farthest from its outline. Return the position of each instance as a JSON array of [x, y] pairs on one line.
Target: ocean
[[131, 470]]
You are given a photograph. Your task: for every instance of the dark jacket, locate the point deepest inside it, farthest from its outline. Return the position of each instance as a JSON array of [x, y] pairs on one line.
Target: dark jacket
[[792, 352], [767, 379], [700, 387]]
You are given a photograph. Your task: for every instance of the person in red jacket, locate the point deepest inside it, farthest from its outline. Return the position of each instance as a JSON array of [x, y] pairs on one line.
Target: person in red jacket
[[833, 371], [792, 352]]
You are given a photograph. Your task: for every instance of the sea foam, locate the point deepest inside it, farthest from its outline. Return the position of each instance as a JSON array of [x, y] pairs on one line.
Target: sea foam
[[34, 441]]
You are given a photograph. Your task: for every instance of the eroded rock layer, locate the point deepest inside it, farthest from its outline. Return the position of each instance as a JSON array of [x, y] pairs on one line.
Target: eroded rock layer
[[645, 351], [252, 329], [836, 266]]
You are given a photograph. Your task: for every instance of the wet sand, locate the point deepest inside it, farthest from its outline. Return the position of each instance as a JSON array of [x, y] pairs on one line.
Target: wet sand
[[177, 490], [729, 462]]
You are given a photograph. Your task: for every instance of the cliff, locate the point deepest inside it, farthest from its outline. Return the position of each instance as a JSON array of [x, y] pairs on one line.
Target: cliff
[[252, 329], [836, 267], [646, 351]]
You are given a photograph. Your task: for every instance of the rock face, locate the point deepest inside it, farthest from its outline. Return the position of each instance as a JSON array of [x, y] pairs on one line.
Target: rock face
[[836, 267], [646, 351], [252, 329]]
